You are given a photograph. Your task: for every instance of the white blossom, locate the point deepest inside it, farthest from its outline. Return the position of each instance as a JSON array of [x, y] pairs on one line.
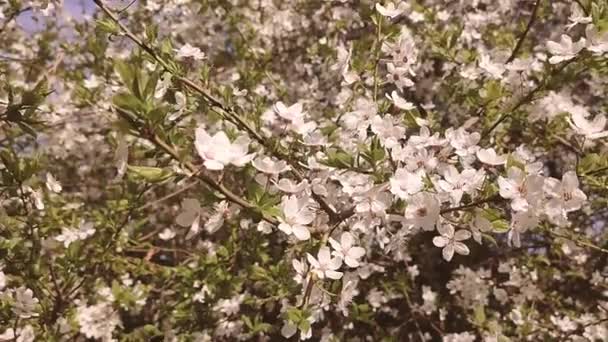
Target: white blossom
[[296, 215], [391, 10], [324, 266], [189, 51], [450, 241], [346, 250], [217, 151], [565, 49], [422, 211]]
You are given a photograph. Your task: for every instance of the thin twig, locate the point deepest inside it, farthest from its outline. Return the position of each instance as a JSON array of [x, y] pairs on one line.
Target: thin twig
[[521, 39], [472, 204]]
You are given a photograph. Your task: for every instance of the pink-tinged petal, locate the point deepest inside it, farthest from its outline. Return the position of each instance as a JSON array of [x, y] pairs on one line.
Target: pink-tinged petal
[[462, 235], [335, 263], [243, 160], [285, 228], [335, 244], [513, 238], [213, 165], [305, 217], [301, 232], [324, 255], [195, 227], [288, 330], [570, 180], [290, 207], [519, 204], [351, 262], [333, 274], [440, 241], [446, 230], [448, 252], [461, 248], [356, 252], [347, 240], [220, 139], [506, 188], [312, 261]]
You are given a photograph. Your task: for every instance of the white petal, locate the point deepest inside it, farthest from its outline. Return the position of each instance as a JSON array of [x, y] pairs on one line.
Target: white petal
[[461, 248], [448, 252], [333, 274], [440, 241], [301, 232]]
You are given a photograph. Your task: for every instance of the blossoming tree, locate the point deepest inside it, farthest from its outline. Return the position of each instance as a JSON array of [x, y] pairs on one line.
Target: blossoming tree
[[210, 170]]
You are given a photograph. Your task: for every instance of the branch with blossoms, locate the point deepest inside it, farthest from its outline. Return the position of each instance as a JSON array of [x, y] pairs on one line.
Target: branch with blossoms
[[249, 170]]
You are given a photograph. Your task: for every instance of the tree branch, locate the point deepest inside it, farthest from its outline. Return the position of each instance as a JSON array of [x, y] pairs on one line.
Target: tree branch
[[521, 39]]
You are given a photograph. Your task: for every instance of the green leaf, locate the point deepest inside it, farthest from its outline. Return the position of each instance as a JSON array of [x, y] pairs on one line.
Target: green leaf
[[108, 26], [125, 72], [129, 102], [150, 174], [500, 226], [479, 315]]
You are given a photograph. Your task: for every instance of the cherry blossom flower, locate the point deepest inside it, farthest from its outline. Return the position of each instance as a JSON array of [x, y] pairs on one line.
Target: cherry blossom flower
[[295, 115], [270, 165], [520, 222], [565, 49], [324, 266], [489, 156], [25, 303], [565, 197], [376, 200], [387, 130], [292, 113], [478, 226], [221, 210], [399, 101], [493, 69], [289, 186], [217, 151], [343, 65], [596, 42], [577, 16], [422, 211], [52, 184], [457, 183], [97, 321], [463, 142], [390, 10], [301, 269], [189, 51], [296, 215], [590, 129], [399, 75], [167, 234], [70, 235], [450, 241], [121, 156], [346, 250], [404, 183], [523, 190]]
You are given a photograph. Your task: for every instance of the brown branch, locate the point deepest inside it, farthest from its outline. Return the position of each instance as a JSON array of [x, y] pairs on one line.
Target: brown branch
[[477, 203], [521, 39]]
